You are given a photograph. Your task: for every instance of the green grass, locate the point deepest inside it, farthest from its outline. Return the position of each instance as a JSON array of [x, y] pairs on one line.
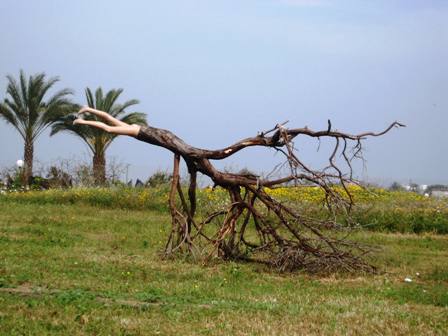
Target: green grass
[[376, 209], [75, 269]]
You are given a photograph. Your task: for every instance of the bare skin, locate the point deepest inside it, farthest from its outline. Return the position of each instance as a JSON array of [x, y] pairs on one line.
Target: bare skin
[[113, 125]]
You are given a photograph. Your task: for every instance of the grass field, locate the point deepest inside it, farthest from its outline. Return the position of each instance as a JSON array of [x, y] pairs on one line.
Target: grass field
[[375, 209], [75, 269]]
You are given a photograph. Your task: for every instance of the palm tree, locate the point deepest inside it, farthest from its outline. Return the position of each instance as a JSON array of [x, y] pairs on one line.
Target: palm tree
[[97, 140], [27, 111]]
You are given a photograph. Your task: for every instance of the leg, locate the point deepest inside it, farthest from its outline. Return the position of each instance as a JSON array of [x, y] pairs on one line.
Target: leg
[[125, 129], [131, 130], [103, 115]]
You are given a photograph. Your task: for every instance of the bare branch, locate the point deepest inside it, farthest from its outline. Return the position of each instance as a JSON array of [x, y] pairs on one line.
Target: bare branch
[[285, 238]]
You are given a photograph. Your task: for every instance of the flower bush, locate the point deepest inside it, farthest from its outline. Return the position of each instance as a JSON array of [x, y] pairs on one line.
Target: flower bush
[[375, 209]]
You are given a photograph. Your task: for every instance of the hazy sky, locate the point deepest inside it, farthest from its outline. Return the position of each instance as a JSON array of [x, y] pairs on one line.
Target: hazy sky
[[217, 71]]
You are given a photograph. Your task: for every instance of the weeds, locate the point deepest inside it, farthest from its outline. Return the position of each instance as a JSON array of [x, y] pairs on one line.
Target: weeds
[[90, 272], [375, 210]]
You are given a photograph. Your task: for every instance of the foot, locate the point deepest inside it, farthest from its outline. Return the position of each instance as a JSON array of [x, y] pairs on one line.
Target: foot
[[85, 110]]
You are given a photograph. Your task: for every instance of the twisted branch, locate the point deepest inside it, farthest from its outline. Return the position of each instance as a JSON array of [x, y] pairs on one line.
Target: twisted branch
[[256, 226]]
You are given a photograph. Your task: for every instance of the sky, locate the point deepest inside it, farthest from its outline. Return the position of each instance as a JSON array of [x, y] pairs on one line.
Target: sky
[[214, 72]]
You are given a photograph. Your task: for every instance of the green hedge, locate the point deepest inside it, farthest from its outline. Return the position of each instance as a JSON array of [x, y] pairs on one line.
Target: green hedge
[[377, 210]]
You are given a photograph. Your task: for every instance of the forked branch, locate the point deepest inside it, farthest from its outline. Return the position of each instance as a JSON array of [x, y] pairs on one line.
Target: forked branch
[[255, 226]]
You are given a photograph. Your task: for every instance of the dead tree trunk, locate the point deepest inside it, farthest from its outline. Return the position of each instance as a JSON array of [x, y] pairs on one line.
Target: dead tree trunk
[[255, 226]]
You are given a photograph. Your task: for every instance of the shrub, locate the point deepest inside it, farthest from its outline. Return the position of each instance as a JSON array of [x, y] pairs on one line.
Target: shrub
[[158, 178], [375, 209]]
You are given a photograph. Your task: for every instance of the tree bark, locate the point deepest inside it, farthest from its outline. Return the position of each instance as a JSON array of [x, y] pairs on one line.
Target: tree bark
[[99, 168], [28, 158], [286, 239]]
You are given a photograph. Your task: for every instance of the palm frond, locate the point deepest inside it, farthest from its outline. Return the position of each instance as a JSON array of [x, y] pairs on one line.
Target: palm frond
[[55, 111], [9, 116], [38, 88], [82, 132], [119, 109], [59, 97], [138, 118], [90, 99], [99, 99], [27, 109], [110, 99], [22, 123], [23, 85], [21, 105]]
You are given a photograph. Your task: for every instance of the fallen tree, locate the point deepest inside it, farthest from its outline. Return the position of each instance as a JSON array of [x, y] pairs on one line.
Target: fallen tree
[[283, 237], [255, 226]]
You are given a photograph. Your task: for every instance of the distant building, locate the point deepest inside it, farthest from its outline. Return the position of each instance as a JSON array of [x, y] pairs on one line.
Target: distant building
[[436, 190], [439, 193], [422, 188], [413, 187]]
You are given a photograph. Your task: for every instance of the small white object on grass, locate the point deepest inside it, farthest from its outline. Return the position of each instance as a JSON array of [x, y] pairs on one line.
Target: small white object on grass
[[19, 163], [407, 280]]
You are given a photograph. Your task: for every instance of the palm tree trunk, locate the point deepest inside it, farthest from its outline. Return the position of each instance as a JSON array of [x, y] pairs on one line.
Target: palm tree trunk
[[99, 168], [28, 157]]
